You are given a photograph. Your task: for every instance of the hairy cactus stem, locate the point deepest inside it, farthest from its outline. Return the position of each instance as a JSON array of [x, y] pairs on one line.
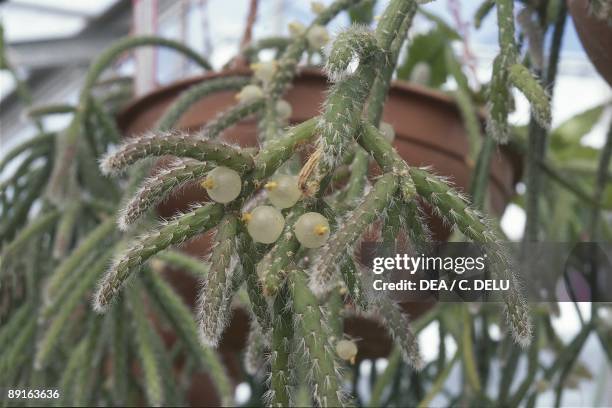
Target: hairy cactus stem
[[371, 139], [390, 35], [257, 348], [175, 231], [149, 360], [312, 342], [213, 305], [248, 258], [199, 91], [182, 320], [159, 186], [466, 106], [275, 152], [280, 350], [344, 105], [454, 209], [342, 241], [506, 32], [65, 309], [499, 103], [524, 81], [176, 144], [70, 264], [400, 329], [41, 223], [61, 169], [287, 64], [272, 269]]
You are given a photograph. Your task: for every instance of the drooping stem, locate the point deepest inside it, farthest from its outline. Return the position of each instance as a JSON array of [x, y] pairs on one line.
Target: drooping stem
[[536, 150], [313, 342], [282, 337]]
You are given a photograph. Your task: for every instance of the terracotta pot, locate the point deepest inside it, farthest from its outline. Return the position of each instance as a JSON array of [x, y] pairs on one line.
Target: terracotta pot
[[429, 132], [595, 36]]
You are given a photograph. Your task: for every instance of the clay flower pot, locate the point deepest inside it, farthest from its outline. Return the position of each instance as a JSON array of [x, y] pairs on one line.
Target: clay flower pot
[[429, 132], [595, 36]]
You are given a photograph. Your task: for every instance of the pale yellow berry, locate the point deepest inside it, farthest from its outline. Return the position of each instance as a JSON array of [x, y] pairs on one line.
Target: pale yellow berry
[[250, 93], [283, 191], [264, 224], [283, 110], [317, 37], [317, 7], [388, 132], [264, 71], [312, 230], [346, 350], [296, 28], [222, 184], [421, 73]]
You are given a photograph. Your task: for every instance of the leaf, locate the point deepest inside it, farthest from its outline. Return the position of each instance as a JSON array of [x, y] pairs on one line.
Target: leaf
[[427, 48], [442, 25], [362, 13], [572, 130]]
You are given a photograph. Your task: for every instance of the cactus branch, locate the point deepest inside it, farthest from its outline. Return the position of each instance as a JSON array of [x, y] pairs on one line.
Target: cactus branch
[[175, 231], [342, 241], [213, 306]]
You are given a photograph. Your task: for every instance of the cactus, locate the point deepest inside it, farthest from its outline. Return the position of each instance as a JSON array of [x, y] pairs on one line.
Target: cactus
[[99, 224]]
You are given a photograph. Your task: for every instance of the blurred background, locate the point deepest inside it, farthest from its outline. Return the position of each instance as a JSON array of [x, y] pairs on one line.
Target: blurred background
[[51, 43]]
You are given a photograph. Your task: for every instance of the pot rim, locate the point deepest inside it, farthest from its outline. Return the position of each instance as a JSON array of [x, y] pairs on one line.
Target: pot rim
[[142, 103]]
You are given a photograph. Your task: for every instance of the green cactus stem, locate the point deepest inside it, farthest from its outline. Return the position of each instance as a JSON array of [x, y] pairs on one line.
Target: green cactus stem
[[521, 78], [149, 361], [259, 305], [40, 224], [61, 170], [282, 338], [65, 310], [199, 91], [344, 105], [272, 269], [313, 344], [176, 144], [159, 186], [183, 323], [213, 303], [453, 208], [483, 11], [78, 255], [499, 103], [175, 231], [343, 240], [400, 329], [179, 260], [506, 32]]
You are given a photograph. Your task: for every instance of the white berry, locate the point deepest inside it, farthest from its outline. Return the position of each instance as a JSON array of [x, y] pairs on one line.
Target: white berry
[[296, 28], [317, 7], [346, 350], [421, 73], [265, 224], [264, 71], [317, 37], [312, 230], [222, 184], [250, 93], [283, 110], [387, 131], [283, 191]]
